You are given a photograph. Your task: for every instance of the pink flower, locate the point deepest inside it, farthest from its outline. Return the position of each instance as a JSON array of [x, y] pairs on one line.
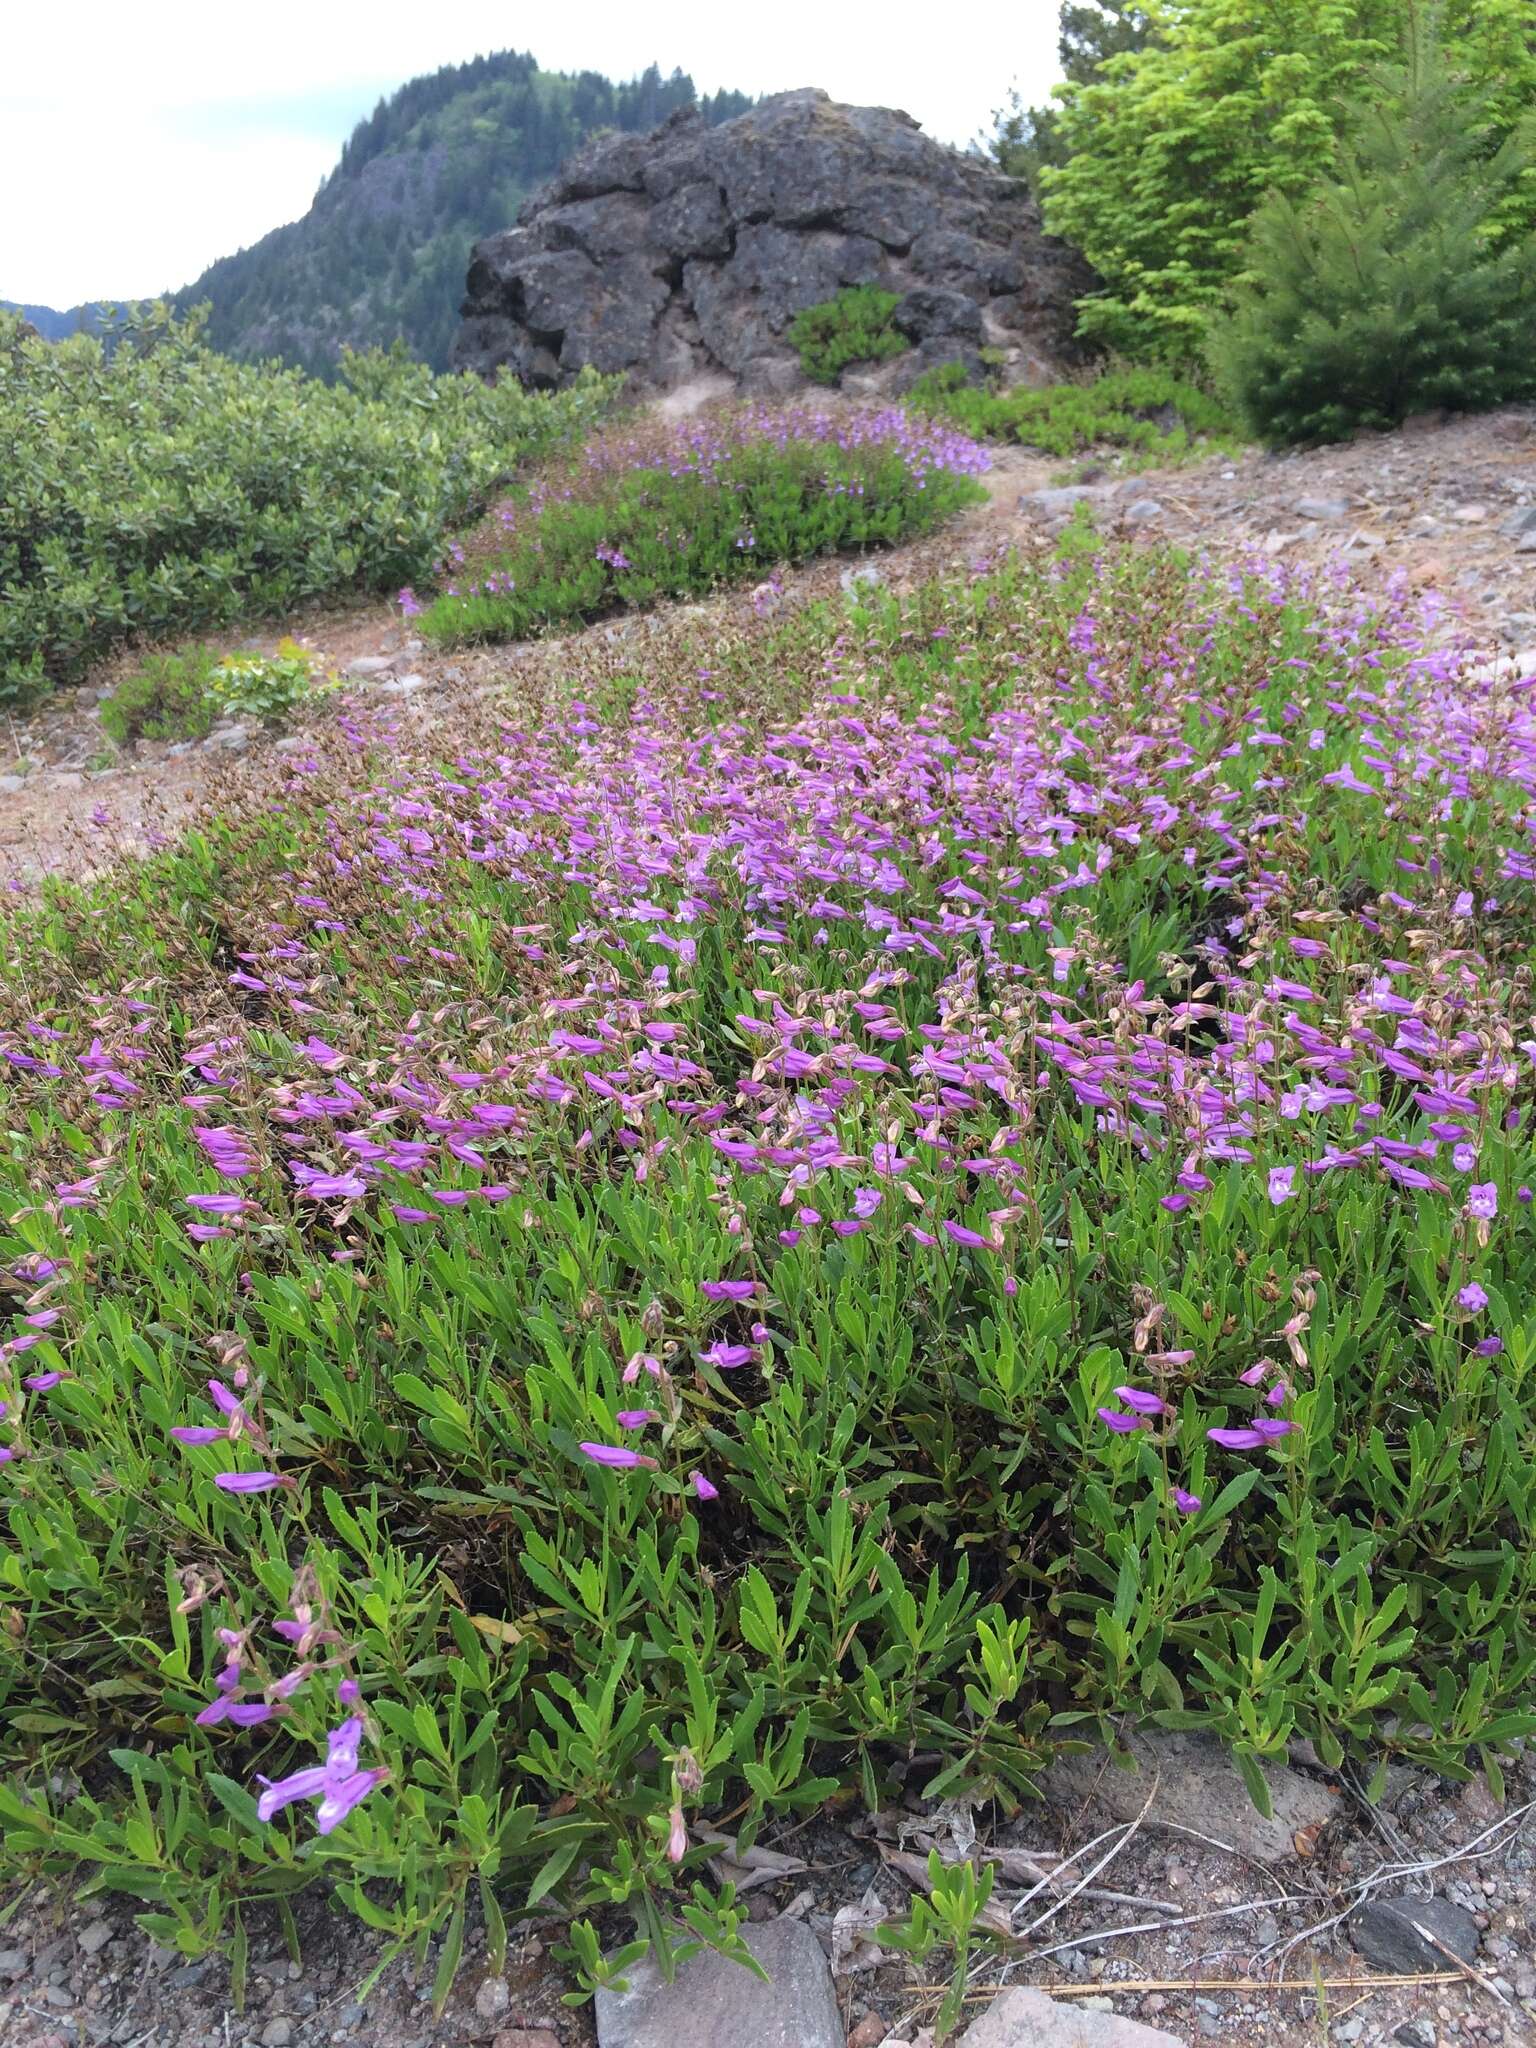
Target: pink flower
[[1282, 1184], [1264, 1430], [618, 1455], [728, 1290], [703, 1488], [1483, 1200], [249, 1482], [1186, 1503], [963, 1234]]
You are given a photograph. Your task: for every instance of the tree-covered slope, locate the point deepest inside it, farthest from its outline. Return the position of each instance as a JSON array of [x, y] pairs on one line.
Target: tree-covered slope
[[448, 158]]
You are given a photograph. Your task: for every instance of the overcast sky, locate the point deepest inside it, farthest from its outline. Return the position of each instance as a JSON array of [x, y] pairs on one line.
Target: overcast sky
[[139, 143]]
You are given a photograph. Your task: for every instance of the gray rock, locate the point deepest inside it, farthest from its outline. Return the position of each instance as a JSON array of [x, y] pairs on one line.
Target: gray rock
[[688, 251], [1416, 2034], [370, 665], [11, 783], [14, 1962], [713, 2001], [865, 576], [94, 1938], [233, 738], [1023, 2018], [1198, 1786], [929, 309], [493, 1998], [1321, 508], [1143, 512], [1386, 1933], [402, 686], [277, 2033], [1061, 502], [1521, 520], [68, 779]]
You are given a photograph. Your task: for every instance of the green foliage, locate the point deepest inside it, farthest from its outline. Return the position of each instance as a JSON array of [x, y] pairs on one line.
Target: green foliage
[[929, 1562], [180, 695], [169, 697], [636, 528], [1388, 290], [855, 327], [1171, 148], [1157, 416], [382, 253], [164, 489]]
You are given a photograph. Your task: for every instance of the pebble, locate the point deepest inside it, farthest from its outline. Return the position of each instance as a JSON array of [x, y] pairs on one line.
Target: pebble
[[96, 1936], [11, 783], [1143, 512], [1321, 508], [402, 686], [13, 1962], [866, 573], [276, 2033], [493, 1998], [370, 665]]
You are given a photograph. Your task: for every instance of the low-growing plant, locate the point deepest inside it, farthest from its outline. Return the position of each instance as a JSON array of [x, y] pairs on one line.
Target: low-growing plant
[[855, 327], [810, 1221], [676, 514], [180, 695], [167, 697], [163, 489], [1152, 414]]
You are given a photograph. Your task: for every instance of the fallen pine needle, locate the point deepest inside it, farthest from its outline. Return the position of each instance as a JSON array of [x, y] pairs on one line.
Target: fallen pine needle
[[1106, 1987]]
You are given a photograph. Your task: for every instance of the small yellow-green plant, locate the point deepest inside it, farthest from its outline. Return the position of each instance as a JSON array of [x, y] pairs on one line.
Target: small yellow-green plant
[[1151, 413]]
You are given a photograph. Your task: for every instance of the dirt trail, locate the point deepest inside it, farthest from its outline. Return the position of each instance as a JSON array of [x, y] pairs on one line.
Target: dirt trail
[[1451, 507]]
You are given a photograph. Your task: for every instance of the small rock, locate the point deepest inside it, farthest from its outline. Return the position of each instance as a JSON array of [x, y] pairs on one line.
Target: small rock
[[1060, 503], [13, 1962], [1321, 508], [1384, 1932], [11, 783], [277, 2033], [712, 2000], [290, 743], [866, 573], [1198, 1786], [402, 686], [1416, 2034], [1143, 512], [1521, 520], [526, 2037], [95, 1937], [1347, 2030], [370, 665], [67, 779], [869, 2033], [1022, 2018], [1470, 515], [493, 1998], [177, 748]]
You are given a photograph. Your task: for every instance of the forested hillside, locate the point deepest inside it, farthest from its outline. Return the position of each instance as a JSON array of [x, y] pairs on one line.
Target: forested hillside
[[383, 250]]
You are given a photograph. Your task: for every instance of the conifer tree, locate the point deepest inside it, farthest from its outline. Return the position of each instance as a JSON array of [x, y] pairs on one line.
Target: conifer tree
[[1394, 287]]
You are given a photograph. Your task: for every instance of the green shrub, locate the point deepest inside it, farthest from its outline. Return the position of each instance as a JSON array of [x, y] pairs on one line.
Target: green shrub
[[1160, 156], [855, 327], [1387, 291], [674, 515], [179, 696], [1151, 412], [170, 697], [163, 489]]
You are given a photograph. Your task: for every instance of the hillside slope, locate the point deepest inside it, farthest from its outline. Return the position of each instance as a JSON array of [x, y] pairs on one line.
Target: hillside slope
[[382, 252]]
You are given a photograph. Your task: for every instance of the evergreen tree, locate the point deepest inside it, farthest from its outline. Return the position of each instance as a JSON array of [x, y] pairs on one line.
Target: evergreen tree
[[1025, 139], [1168, 149], [1390, 289]]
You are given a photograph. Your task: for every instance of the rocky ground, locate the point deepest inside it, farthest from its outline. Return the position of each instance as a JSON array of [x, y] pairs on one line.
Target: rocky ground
[[1204, 1924], [1212, 1927]]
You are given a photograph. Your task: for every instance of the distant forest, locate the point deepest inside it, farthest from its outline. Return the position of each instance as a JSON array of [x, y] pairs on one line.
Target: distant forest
[[381, 254]]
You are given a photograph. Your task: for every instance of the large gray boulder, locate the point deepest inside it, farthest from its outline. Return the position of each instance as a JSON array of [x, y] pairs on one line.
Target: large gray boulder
[[688, 252]]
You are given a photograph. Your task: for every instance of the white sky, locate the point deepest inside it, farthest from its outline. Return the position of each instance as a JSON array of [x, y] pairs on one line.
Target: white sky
[[138, 143]]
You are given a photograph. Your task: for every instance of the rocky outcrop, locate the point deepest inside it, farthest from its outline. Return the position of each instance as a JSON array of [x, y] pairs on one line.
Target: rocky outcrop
[[688, 252]]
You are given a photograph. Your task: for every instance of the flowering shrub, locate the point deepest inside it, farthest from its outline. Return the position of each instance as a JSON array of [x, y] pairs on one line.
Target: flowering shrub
[[670, 513], [165, 489], [960, 1174]]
